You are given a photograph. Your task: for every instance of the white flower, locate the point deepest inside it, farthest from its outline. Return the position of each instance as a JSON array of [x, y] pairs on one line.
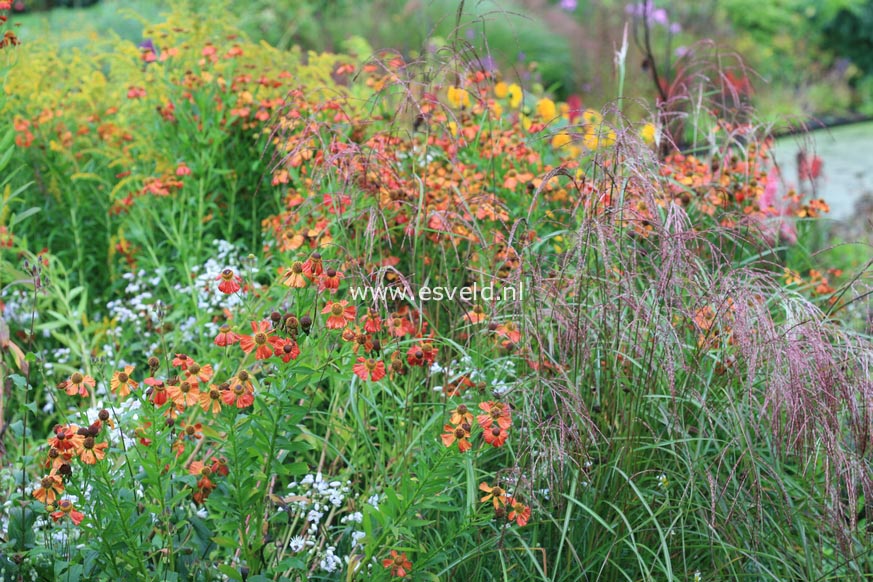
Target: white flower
[[296, 544]]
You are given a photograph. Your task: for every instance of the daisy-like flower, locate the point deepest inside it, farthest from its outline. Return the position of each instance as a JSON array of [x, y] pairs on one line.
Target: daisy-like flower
[[77, 383], [239, 394], [121, 382], [287, 350], [211, 399], [510, 331], [399, 565], [519, 512], [185, 394], [50, 487], [496, 494], [313, 266], [495, 436], [189, 432], [339, 314], [423, 354], [461, 414], [372, 321], [330, 280], [459, 433], [159, 394], [261, 341], [197, 373], [495, 412], [294, 277], [226, 337], [229, 282], [369, 369], [67, 509], [92, 451], [476, 315], [400, 326], [181, 361], [66, 439]]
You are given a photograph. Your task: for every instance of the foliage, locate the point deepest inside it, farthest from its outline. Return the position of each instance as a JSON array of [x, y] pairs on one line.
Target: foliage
[[241, 370]]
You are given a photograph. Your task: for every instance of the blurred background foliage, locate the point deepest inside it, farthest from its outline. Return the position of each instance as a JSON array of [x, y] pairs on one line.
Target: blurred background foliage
[[806, 58]]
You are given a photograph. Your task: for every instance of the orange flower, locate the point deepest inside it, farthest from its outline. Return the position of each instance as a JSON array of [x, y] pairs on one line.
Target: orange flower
[[195, 373], [158, 395], [294, 276], [495, 436], [211, 399], [398, 564], [461, 415], [287, 350], [67, 509], [372, 323], [260, 340], [67, 438], [460, 433], [339, 314], [496, 494], [240, 395], [122, 383], [510, 331], [184, 395], [92, 451], [49, 488], [330, 280], [77, 383], [313, 267], [476, 315], [226, 337], [422, 354], [230, 283], [519, 512], [368, 369], [498, 412]]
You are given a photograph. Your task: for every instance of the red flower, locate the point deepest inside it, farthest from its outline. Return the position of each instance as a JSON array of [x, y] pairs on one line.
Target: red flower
[[226, 337], [286, 349], [495, 436], [339, 314], [67, 509], [422, 354], [240, 395], [460, 433], [398, 564], [230, 283], [329, 280], [372, 321], [260, 340], [159, 394], [368, 369], [77, 383], [313, 267], [518, 512], [495, 412]]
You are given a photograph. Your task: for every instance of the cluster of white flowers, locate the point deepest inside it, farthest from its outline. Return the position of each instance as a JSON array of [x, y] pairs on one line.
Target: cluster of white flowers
[[136, 312], [316, 500]]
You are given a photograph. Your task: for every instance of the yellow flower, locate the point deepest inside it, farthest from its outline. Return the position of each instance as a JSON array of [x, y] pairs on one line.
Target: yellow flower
[[501, 90], [546, 109], [591, 140], [458, 97], [453, 128], [515, 96], [591, 117], [648, 132], [560, 140], [496, 109], [526, 121]]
